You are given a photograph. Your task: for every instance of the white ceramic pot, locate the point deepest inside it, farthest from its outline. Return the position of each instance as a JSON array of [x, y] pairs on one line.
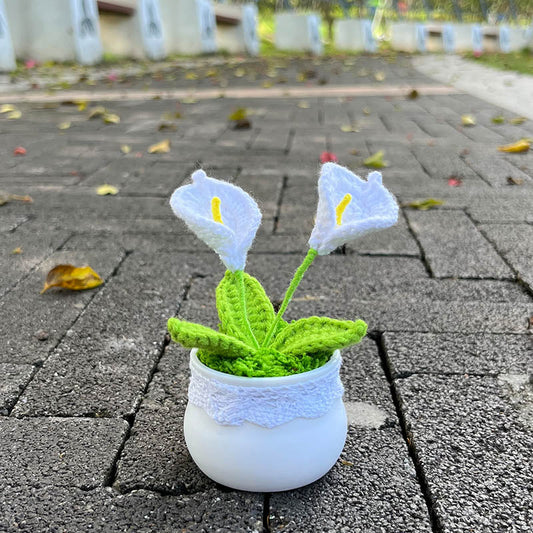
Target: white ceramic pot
[[265, 434]]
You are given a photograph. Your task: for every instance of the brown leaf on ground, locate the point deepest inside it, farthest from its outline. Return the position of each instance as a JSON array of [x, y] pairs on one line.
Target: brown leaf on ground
[[514, 181], [162, 147], [413, 94], [72, 278], [6, 197]]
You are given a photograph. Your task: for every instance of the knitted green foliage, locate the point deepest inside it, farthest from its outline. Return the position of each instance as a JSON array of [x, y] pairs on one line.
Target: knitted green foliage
[[231, 308], [318, 335], [192, 335]]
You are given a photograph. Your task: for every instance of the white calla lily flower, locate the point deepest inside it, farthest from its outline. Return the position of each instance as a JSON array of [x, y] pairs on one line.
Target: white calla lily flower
[[349, 207], [221, 214]]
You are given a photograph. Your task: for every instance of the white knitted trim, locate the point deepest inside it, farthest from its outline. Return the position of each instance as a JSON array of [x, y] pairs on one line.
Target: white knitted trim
[[267, 406]]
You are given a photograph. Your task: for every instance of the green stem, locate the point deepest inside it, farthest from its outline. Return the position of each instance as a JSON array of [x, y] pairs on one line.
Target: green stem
[[240, 277], [297, 278]]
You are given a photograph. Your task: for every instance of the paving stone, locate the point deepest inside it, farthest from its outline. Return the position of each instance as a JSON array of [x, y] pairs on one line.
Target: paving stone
[[442, 163], [413, 353], [473, 438], [105, 511], [372, 488], [13, 379], [502, 209], [421, 314], [33, 323], [11, 222], [35, 247], [103, 364], [453, 247], [515, 243], [59, 452]]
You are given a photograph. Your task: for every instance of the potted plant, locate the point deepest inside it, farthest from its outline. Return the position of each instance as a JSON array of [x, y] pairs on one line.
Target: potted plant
[[265, 409]]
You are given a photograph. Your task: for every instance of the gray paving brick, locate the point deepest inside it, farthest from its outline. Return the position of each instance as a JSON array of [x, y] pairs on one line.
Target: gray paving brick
[[58, 452], [453, 247], [103, 510], [103, 364], [503, 209], [473, 438], [13, 379], [442, 163], [26, 312], [372, 488], [411, 353], [35, 247], [515, 243]]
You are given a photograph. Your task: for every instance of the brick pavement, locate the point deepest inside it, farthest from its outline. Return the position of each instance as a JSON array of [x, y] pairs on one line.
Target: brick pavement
[[91, 411]]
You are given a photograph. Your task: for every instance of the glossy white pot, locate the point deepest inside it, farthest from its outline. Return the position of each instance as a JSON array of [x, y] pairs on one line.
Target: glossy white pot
[[265, 434]]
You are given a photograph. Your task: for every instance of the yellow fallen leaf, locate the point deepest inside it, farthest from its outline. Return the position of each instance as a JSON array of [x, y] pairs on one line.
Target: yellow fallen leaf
[[346, 463], [522, 145], [111, 118], [64, 125], [379, 76], [239, 114], [72, 278], [191, 76], [498, 119], [14, 115], [516, 121], [189, 100], [376, 160], [167, 126], [7, 108], [267, 84], [367, 110], [125, 148], [97, 111], [468, 120], [304, 105], [17, 250], [81, 104], [349, 128], [239, 72], [162, 147], [424, 205], [171, 116], [104, 190], [272, 73]]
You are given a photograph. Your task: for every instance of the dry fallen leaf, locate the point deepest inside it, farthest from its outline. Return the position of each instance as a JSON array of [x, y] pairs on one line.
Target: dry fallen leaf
[[514, 181], [350, 128], [379, 76], [14, 115], [367, 110], [7, 108], [162, 147], [170, 116], [110, 118], [17, 250], [125, 148], [6, 197], [81, 104], [346, 463], [170, 126], [104, 190], [413, 94], [239, 72], [522, 145], [72, 278], [498, 119], [267, 84], [517, 120], [424, 205], [191, 76], [376, 160], [19, 150], [468, 120], [304, 105], [64, 125]]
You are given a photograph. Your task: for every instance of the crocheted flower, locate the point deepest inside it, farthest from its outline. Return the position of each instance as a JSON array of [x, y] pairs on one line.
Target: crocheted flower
[[349, 207], [224, 216]]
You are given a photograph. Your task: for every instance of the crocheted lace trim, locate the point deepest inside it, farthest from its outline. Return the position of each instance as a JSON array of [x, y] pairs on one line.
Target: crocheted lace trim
[[266, 406]]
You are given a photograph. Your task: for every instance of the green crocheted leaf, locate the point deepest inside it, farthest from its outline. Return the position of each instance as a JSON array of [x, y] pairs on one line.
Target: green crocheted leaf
[[230, 309], [317, 335], [192, 335]]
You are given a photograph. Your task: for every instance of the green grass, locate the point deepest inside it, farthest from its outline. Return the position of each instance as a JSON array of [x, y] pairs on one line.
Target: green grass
[[517, 61]]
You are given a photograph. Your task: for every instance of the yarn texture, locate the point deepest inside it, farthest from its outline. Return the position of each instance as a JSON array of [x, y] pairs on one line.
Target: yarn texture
[[266, 406], [371, 208]]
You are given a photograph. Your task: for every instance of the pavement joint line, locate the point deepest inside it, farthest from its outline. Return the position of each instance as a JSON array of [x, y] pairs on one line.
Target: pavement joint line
[[266, 512], [423, 257], [60, 339], [231, 93], [111, 478], [279, 201], [436, 525]]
